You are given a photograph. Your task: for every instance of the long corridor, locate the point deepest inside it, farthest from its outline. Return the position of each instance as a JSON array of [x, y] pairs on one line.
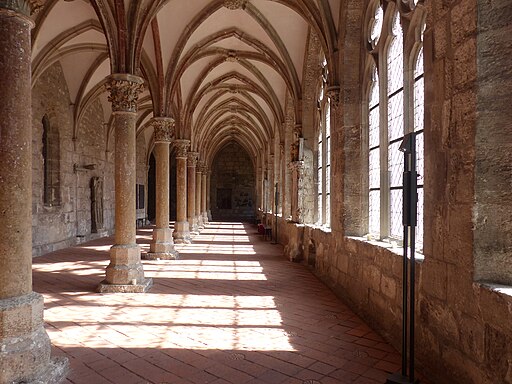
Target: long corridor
[[232, 309]]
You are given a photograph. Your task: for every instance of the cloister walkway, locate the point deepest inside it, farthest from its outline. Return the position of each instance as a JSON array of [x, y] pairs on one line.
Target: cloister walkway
[[232, 309]]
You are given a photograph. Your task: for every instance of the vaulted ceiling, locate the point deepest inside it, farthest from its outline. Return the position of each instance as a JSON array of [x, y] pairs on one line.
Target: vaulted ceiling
[[220, 68]]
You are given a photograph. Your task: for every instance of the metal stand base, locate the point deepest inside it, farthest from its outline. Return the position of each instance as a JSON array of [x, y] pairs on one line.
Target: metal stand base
[[398, 378]]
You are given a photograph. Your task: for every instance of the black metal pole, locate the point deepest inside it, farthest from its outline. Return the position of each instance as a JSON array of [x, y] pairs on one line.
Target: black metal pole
[[409, 196]]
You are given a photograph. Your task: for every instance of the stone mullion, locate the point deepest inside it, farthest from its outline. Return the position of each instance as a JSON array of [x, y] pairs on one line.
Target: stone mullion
[[191, 191], [162, 245], [181, 232], [24, 344], [199, 182], [125, 272], [297, 186]]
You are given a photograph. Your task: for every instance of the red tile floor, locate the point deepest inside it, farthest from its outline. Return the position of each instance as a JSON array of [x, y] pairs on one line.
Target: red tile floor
[[232, 309]]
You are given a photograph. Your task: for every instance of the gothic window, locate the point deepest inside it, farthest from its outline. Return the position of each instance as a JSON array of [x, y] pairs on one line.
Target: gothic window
[[394, 107], [51, 164], [324, 152]]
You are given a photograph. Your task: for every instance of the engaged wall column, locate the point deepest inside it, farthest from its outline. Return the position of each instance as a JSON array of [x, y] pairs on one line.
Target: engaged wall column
[[204, 191]]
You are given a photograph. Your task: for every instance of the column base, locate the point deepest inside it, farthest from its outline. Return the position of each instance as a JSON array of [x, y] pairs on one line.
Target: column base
[[24, 344], [200, 224], [162, 245], [138, 287], [194, 229], [125, 268], [205, 218], [181, 233], [161, 256]]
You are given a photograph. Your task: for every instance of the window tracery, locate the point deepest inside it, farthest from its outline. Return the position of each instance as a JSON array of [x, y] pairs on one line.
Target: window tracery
[[394, 107]]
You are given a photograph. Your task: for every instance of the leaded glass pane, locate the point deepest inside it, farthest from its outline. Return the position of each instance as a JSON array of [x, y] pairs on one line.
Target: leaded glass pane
[[395, 165], [395, 59], [396, 116], [374, 169], [420, 157], [418, 70], [374, 213], [377, 25], [396, 220], [373, 127], [419, 227], [374, 90]]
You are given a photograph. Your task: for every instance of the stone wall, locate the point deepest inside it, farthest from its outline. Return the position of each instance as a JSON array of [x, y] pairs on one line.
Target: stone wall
[[464, 324], [233, 172], [68, 222]]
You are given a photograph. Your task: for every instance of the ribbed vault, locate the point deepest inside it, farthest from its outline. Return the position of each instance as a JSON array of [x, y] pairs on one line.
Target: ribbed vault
[[222, 69]]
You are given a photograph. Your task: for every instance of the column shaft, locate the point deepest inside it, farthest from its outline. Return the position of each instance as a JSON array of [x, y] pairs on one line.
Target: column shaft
[[191, 184], [203, 197], [162, 245], [24, 344], [199, 183], [125, 272], [181, 232]]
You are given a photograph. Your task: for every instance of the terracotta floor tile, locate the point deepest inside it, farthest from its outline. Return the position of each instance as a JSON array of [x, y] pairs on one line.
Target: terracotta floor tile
[[231, 309]]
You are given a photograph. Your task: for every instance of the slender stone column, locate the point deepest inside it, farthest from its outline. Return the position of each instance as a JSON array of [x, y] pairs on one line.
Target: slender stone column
[[162, 245], [297, 168], [204, 175], [125, 272], [208, 195], [199, 182], [191, 185], [24, 345], [181, 232]]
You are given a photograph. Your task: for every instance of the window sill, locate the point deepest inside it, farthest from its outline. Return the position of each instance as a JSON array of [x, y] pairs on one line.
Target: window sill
[[398, 250], [505, 290]]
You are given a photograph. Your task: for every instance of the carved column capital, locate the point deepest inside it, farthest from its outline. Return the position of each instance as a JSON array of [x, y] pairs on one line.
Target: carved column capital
[[235, 4], [24, 7], [200, 166], [164, 129], [181, 146], [333, 93], [124, 91], [192, 159]]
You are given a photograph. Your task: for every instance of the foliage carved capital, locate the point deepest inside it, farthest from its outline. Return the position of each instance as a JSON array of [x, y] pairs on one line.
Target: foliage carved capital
[[181, 146], [25, 7], [124, 90], [333, 93], [192, 159], [164, 129]]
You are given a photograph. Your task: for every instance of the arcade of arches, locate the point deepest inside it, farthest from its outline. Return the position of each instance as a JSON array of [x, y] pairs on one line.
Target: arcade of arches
[[120, 114]]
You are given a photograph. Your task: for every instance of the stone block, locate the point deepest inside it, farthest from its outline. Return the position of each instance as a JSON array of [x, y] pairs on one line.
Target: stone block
[[125, 254], [388, 287], [21, 315]]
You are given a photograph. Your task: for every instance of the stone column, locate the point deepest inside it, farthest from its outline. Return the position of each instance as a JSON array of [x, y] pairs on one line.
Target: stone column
[[203, 195], [125, 272], [208, 195], [199, 188], [162, 245], [181, 232], [191, 192], [297, 168], [24, 344]]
